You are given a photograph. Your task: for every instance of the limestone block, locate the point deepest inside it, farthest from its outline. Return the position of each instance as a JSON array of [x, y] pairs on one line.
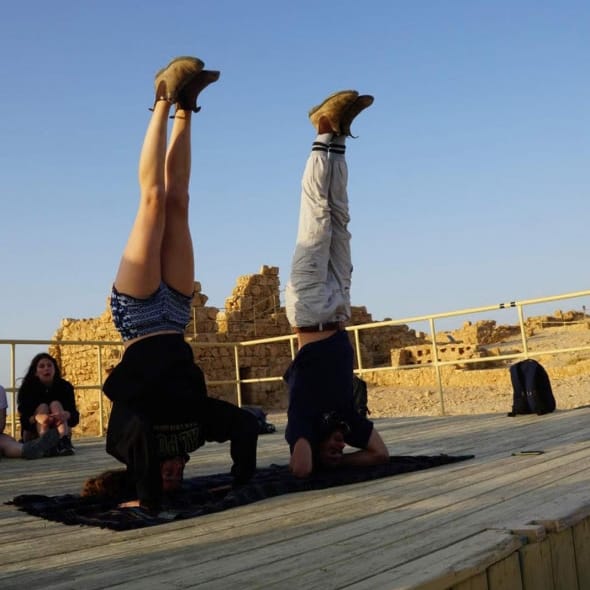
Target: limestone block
[[199, 300], [269, 270], [400, 357]]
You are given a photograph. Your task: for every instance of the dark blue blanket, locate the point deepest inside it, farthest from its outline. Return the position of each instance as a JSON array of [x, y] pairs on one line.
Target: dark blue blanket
[[210, 493]]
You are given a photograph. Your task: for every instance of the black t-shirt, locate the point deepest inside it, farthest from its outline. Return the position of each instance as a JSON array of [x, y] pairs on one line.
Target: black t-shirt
[[320, 382], [158, 378]]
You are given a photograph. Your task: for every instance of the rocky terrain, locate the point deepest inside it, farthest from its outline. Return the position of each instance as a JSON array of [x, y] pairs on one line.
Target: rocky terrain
[[474, 391]]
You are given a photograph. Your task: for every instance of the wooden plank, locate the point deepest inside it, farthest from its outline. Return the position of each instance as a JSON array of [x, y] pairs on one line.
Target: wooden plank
[[477, 582], [554, 514], [447, 567], [505, 574], [563, 561], [533, 533], [535, 566], [567, 511], [581, 536]]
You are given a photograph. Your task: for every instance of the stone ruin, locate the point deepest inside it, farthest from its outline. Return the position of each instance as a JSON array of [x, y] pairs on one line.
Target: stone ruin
[[468, 342], [473, 341]]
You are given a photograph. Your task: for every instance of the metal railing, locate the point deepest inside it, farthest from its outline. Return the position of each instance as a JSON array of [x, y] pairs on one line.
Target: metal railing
[[436, 364]]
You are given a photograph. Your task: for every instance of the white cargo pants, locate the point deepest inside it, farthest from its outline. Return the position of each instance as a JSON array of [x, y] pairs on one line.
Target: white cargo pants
[[318, 290]]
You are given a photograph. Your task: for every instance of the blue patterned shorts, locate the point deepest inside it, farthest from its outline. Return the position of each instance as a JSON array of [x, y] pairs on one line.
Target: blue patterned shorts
[[166, 309]]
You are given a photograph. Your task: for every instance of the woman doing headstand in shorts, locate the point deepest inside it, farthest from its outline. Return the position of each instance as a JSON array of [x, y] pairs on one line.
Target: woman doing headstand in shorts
[[161, 411]]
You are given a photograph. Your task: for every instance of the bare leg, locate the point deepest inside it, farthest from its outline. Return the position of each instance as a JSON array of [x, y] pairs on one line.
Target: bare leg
[[62, 425], [42, 419], [177, 257], [139, 273], [9, 447]]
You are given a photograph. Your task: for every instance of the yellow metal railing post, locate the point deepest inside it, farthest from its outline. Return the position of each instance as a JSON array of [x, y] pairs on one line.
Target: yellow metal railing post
[[357, 343], [437, 367], [100, 398], [238, 379], [525, 348], [13, 389]]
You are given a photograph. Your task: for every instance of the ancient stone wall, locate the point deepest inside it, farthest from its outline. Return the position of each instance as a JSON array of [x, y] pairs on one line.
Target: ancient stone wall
[[423, 355], [468, 342], [482, 332]]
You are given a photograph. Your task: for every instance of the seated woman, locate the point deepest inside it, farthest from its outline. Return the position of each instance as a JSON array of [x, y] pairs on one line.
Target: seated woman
[[322, 419], [161, 411], [46, 401]]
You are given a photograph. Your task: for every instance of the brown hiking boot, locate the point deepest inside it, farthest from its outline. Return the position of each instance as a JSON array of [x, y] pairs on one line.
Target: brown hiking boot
[[172, 79], [332, 109], [187, 97], [360, 104]]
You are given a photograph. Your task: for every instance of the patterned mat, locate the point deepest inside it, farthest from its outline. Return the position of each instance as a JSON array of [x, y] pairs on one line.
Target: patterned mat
[[209, 494]]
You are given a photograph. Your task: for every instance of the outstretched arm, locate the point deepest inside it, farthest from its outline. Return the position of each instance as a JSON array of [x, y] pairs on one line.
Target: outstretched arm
[[375, 452], [301, 463]]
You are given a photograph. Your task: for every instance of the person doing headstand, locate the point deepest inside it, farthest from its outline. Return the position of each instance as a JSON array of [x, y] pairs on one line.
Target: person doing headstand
[[322, 419], [161, 411]]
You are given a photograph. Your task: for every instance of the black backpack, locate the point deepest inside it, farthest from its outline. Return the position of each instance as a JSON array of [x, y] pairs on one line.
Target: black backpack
[[531, 389], [360, 396]]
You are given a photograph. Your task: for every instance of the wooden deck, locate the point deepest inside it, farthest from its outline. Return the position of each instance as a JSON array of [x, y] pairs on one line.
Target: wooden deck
[[496, 522]]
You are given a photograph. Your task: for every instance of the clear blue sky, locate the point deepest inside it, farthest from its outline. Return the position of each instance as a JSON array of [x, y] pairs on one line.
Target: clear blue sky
[[469, 182]]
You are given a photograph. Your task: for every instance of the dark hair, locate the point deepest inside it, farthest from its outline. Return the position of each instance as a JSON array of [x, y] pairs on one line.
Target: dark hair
[[30, 374], [113, 483], [328, 424]]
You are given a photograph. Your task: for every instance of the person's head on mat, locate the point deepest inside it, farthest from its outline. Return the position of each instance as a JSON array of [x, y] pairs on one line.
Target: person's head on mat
[[172, 472], [119, 484], [330, 448]]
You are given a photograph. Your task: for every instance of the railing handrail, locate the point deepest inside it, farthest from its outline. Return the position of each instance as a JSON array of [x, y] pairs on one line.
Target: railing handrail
[[435, 365]]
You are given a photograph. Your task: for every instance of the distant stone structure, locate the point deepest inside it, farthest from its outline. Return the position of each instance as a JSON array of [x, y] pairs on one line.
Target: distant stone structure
[[468, 342], [473, 340], [253, 312]]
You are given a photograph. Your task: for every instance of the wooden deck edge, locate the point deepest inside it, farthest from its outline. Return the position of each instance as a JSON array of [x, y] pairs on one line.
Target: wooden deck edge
[[544, 554], [554, 552], [443, 569], [567, 511]]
